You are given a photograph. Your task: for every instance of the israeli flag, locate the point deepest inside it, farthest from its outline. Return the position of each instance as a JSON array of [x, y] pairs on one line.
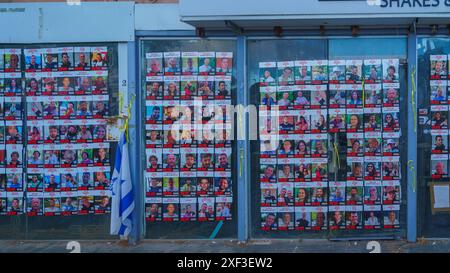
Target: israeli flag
[[122, 204]]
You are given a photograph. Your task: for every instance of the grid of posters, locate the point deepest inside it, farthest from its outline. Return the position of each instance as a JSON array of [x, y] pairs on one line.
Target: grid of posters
[[188, 136], [11, 153], [439, 101], [301, 103], [56, 156]]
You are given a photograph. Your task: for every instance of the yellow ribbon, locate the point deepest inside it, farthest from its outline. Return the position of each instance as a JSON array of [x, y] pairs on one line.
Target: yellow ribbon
[[413, 96], [413, 170], [241, 156], [128, 117], [336, 156]]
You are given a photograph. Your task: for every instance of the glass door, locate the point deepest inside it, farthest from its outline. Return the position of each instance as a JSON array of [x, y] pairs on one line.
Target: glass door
[[330, 151], [432, 146]]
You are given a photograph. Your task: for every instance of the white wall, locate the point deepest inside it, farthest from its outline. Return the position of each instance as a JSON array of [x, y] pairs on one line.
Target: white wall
[[159, 17], [60, 22]]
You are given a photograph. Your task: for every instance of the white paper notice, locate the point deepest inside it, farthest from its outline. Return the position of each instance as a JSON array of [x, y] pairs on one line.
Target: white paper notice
[[441, 197]]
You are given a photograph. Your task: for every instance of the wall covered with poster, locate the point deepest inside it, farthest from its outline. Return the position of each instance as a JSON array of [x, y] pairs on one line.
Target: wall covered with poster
[[433, 75], [189, 89], [363, 101]]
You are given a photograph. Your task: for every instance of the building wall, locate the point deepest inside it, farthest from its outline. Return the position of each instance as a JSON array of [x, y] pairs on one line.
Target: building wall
[[40, 17], [159, 17]]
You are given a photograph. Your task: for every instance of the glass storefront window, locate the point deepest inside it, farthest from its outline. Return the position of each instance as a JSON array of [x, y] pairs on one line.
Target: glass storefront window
[[189, 159], [269, 52], [54, 87]]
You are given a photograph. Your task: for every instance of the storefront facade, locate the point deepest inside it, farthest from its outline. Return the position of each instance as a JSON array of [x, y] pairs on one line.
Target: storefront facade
[[332, 137]]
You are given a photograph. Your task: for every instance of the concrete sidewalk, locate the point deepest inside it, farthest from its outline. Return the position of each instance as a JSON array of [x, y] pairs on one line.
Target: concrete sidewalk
[[226, 246]]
